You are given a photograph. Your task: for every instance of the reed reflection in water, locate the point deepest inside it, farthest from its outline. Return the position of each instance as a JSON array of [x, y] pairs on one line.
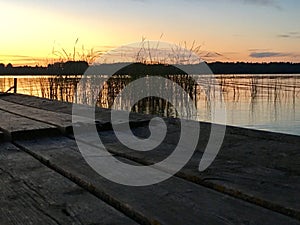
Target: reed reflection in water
[[270, 102]]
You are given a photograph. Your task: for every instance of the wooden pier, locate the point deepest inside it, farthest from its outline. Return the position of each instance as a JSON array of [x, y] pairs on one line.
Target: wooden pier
[[44, 179]]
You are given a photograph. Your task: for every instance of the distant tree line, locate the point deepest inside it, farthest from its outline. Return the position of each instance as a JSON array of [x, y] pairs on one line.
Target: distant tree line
[[255, 68], [139, 70], [58, 68], [79, 67]]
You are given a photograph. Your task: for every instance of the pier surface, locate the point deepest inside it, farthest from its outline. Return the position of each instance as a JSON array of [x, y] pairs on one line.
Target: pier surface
[[255, 178]]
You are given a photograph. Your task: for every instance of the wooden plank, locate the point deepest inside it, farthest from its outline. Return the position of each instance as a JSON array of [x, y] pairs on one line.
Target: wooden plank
[[16, 127], [62, 121], [42, 110], [265, 156], [174, 201], [41, 103], [254, 169], [104, 116], [31, 193]]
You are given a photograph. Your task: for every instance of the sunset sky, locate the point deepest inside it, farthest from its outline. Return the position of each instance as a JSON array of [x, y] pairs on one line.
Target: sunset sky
[[239, 30]]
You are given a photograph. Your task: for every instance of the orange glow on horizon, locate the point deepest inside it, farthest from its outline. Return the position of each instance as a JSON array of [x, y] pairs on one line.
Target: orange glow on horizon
[[34, 32]]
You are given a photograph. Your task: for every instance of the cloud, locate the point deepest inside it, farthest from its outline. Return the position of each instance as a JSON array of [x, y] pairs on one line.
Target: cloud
[[270, 3], [139, 1], [259, 50], [269, 54], [16, 56], [292, 35], [260, 2], [283, 35], [23, 59], [267, 3]]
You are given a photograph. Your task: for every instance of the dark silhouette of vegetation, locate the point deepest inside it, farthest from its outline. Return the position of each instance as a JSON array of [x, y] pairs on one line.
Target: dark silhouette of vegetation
[[59, 68], [79, 67], [255, 68], [139, 69]]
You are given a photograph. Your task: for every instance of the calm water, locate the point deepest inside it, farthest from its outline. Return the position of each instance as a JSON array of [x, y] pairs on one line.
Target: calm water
[[266, 102]]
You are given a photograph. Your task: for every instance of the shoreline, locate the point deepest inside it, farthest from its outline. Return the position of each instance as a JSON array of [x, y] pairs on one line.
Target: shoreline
[[79, 67]]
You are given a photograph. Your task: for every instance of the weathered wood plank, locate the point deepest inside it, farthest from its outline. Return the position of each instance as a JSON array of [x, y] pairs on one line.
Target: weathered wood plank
[[41, 103], [254, 169], [253, 165], [104, 116], [31, 193], [174, 201], [15, 127], [52, 113], [62, 121]]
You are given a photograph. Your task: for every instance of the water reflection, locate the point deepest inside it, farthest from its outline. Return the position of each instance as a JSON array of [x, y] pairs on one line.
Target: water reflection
[[270, 102]]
